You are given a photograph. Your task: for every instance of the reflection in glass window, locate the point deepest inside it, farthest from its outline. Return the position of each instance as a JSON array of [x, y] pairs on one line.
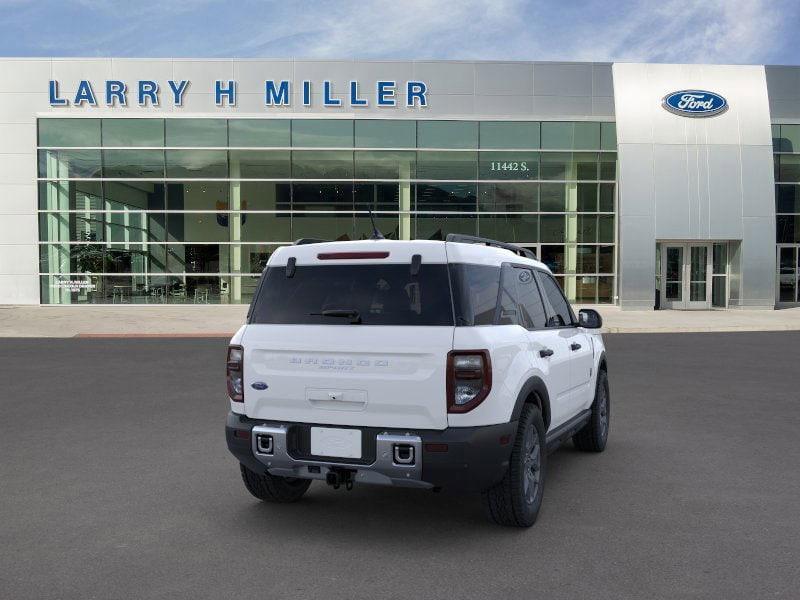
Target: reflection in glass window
[[509, 134], [509, 197], [133, 132], [552, 197], [587, 197], [447, 165], [447, 134], [787, 198], [322, 133], [557, 135], [557, 166], [608, 166], [606, 197], [446, 197], [789, 138], [259, 133], [608, 136], [63, 164], [254, 192], [605, 229], [197, 164], [385, 164], [432, 226], [515, 228], [789, 169], [585, 166], [605, 263], [322, 164], [383, 133], [260, 164], [132, 164], [587, 229], [196, 133], [552, 228], [65, 133], [587, 136]]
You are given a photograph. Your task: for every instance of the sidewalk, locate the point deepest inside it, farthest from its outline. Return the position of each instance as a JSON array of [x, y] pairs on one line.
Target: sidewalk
[[222, 321]]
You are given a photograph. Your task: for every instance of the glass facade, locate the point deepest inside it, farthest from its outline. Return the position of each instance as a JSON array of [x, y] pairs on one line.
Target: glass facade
[[189, 210], [786, 148]]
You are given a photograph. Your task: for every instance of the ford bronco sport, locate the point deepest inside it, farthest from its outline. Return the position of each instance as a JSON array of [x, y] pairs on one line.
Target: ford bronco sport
[[429, 364]]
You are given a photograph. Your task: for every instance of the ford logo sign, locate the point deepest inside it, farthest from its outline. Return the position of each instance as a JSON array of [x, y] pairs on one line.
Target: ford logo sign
[[259, 385], [695, 103]]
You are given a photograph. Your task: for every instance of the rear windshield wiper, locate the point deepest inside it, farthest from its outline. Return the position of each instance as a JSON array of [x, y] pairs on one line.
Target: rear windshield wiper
[[347, 313]]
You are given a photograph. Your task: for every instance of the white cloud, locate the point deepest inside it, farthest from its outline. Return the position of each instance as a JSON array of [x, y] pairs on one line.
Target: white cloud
[[736, 31], [713, 31]]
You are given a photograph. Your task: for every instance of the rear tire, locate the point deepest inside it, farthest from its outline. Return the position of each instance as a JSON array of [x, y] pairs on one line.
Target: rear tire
[[273, 489], [594, 435], [516, 500]]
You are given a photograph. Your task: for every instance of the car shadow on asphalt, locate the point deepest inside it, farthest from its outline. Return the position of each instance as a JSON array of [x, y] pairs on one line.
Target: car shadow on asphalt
[[384, 513]]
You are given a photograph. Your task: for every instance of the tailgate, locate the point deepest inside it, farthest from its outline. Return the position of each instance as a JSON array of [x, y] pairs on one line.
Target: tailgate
[[371, 376]]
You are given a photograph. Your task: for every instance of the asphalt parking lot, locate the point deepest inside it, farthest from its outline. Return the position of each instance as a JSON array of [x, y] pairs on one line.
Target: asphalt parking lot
[[115, 482]]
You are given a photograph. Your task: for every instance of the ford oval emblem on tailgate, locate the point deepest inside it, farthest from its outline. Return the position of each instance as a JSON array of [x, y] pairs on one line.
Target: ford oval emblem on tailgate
[[259, 385]]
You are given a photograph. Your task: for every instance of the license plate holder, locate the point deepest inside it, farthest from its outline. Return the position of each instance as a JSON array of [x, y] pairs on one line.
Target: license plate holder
[[336, 442]]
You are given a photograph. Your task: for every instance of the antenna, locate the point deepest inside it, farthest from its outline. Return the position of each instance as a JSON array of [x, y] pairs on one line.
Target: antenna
[[376, 234]]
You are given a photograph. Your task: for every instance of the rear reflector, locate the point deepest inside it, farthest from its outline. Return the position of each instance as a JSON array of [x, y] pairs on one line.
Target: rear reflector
[[435, 447], [351, 255]]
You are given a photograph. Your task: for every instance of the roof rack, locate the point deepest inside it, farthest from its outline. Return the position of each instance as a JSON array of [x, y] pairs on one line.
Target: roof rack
[[305, 241], [471, 239]]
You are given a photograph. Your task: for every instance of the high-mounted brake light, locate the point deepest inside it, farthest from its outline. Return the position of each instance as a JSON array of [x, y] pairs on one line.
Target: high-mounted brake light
[[235, 373], [351, 255], [469, 379]]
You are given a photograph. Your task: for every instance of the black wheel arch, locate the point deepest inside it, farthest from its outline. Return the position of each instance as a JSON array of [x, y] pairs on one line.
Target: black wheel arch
[[534, 391]]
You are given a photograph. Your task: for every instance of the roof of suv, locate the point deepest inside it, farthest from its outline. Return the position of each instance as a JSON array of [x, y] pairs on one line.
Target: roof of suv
[[398, 251]]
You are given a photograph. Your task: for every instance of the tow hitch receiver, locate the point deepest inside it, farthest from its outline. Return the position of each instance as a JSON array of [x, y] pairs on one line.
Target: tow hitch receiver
[[338, 477]]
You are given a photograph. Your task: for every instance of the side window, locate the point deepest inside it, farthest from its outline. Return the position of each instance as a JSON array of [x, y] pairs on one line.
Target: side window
[[507, 303], [474, 293], [562, 313], [530, 300]]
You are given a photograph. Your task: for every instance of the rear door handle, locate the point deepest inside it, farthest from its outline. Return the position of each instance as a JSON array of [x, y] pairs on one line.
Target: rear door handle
[[545, 353], [574, 346]]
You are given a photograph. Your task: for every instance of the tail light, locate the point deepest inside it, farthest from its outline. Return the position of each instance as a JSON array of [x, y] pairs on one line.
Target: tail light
[[469, 379], [235, 373]]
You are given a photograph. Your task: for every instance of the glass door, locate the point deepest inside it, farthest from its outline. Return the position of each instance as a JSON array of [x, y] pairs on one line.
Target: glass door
[[686, 275], [699, 276], [672, 276], [787, 274]]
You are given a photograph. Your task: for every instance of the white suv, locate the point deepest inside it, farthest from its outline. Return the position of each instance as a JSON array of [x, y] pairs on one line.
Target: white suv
[[426, 364]]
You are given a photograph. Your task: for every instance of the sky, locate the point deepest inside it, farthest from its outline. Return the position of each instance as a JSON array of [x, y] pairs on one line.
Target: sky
[[680, 31]]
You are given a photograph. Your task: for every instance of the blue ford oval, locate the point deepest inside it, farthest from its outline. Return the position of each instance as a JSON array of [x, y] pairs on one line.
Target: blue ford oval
[[695, 103]]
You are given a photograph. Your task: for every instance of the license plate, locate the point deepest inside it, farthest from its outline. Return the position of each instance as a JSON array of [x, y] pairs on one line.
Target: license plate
[[336, 443]]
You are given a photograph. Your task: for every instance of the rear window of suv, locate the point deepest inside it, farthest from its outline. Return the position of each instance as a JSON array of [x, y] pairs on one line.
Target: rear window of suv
[[379, 294]]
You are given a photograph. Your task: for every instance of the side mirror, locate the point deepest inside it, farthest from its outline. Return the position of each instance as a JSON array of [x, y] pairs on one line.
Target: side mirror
[[590, 318]]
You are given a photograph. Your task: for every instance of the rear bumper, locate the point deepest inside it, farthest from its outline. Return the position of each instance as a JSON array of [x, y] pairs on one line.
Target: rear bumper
[[462, 458]]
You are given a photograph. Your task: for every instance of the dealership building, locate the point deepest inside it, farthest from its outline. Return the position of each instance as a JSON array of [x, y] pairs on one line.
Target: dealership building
[[160, 181]]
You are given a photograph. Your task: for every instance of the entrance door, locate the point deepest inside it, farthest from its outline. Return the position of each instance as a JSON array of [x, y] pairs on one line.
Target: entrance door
[[686, 276]]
